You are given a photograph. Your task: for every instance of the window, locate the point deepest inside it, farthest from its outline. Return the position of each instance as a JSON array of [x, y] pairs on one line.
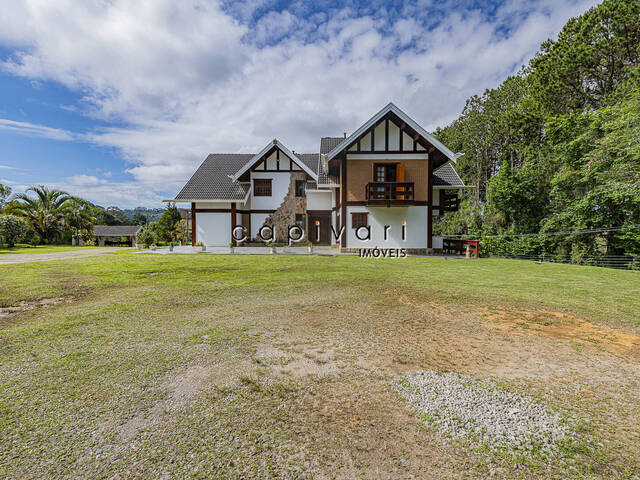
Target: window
[[359, 220], [300, 220], [262, 187], [385, 172], [300, 187]]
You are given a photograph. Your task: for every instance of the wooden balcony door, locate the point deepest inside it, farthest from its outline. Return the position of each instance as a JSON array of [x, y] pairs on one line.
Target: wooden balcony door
[[388, 172], [384, 172]]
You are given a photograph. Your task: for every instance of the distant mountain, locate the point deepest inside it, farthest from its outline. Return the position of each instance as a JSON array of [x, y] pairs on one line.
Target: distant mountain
[[152, 214]]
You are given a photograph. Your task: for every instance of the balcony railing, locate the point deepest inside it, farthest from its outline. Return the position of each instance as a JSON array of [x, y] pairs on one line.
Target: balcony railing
[[389, 192]]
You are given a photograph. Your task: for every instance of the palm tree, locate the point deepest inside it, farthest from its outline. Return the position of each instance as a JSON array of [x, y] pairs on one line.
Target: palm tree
[[79, 217], [45, 213]]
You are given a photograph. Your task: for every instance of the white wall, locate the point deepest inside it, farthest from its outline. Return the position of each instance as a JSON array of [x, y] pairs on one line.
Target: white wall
[[394, 136], [213, 205], [279, 188], [213, 229], [319, 200], [257, 220], [272, 161], [415, 217], [378, 134]]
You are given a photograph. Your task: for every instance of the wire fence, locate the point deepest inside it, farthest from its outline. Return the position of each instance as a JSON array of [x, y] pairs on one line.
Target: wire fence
[[621, 262]]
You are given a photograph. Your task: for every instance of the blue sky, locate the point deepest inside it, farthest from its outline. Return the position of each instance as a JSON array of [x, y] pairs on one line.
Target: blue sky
[[119, 101]]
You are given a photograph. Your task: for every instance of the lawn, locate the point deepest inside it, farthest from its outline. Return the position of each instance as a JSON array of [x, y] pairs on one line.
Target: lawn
[[41, 249], [207, 366]]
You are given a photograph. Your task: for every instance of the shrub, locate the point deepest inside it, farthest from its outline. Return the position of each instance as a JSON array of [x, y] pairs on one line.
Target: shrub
[[12, 229], [146, 237], [32, 238]]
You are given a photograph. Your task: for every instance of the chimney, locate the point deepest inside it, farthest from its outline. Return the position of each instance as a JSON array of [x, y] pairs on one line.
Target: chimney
[[345, 134]]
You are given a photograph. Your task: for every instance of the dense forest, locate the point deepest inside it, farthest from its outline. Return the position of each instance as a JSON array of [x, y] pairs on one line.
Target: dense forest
[[556, 148]]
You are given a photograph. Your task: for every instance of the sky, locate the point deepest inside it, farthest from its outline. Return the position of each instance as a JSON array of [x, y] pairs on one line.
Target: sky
[[119, 101]]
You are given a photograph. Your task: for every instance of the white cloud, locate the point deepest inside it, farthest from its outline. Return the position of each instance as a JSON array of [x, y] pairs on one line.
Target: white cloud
[[82, 180], [187, 79], [32, 130], [100, 191]]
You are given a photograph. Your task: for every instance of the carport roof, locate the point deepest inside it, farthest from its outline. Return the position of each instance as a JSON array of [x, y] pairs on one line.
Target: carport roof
[[116, 230]]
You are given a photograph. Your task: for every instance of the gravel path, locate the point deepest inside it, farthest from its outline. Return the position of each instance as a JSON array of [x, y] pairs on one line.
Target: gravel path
[[45, 257], [464, 407]]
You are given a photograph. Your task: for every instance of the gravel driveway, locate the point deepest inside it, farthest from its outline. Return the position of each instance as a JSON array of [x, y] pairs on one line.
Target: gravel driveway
[[45, 257]]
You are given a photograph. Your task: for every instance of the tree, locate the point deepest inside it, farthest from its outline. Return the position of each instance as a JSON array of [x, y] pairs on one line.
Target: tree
[[139, 218], [44, 213], [146, 237], [180, 233], [556, 147], [167, 223], [116, 216], [12, 229], [79, 217], [5, 192], [109, 216], [590, 58]]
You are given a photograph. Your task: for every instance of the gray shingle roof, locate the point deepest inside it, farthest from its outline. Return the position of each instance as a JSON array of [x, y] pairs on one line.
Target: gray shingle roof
[[116, 230], [309, 159], [446, 176], [211, 181], [329, 143]]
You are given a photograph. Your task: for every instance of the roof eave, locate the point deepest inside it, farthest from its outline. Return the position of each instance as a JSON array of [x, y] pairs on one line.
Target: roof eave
[[211, 200], [275, 142]]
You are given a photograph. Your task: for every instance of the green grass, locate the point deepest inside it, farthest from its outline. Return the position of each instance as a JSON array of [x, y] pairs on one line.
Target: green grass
[[204, 366], [42, 249]]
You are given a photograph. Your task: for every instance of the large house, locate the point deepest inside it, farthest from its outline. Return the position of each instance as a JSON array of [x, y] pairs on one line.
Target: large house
[[383, 185]]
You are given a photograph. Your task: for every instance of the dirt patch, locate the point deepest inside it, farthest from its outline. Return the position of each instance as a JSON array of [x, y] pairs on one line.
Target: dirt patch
[[180, 389], [298, 360], [562, 326], [24, 306]]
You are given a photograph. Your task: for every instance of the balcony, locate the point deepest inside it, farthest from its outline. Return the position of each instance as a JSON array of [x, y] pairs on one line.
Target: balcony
[[389, 193]]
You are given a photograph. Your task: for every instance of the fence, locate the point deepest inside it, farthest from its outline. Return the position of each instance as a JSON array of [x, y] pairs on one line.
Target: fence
[[622, 262]]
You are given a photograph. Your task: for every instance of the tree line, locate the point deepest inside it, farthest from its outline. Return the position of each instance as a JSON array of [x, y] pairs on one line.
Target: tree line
[[556, 147], [44, 215]]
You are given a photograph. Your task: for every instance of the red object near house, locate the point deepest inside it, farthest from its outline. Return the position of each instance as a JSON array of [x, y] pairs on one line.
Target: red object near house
[[472, 248]]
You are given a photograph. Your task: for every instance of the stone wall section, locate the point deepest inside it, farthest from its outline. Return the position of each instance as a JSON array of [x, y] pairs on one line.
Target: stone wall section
[[285, 215]]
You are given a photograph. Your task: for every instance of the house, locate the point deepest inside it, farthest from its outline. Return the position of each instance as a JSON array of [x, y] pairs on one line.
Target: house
[[383, 185]]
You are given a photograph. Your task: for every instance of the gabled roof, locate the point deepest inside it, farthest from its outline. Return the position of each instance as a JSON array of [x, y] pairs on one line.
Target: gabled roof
[[275, 143], [116, 230], [446, 176], [329, 143], [405, 118], [212, 179]]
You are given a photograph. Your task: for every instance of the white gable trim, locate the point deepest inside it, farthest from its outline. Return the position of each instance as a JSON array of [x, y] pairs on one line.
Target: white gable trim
[[284, 150], [377, 117]]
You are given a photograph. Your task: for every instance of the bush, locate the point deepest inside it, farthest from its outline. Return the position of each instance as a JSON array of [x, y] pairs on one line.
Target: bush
[[12, 229], [146, 237], [32, 238]]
